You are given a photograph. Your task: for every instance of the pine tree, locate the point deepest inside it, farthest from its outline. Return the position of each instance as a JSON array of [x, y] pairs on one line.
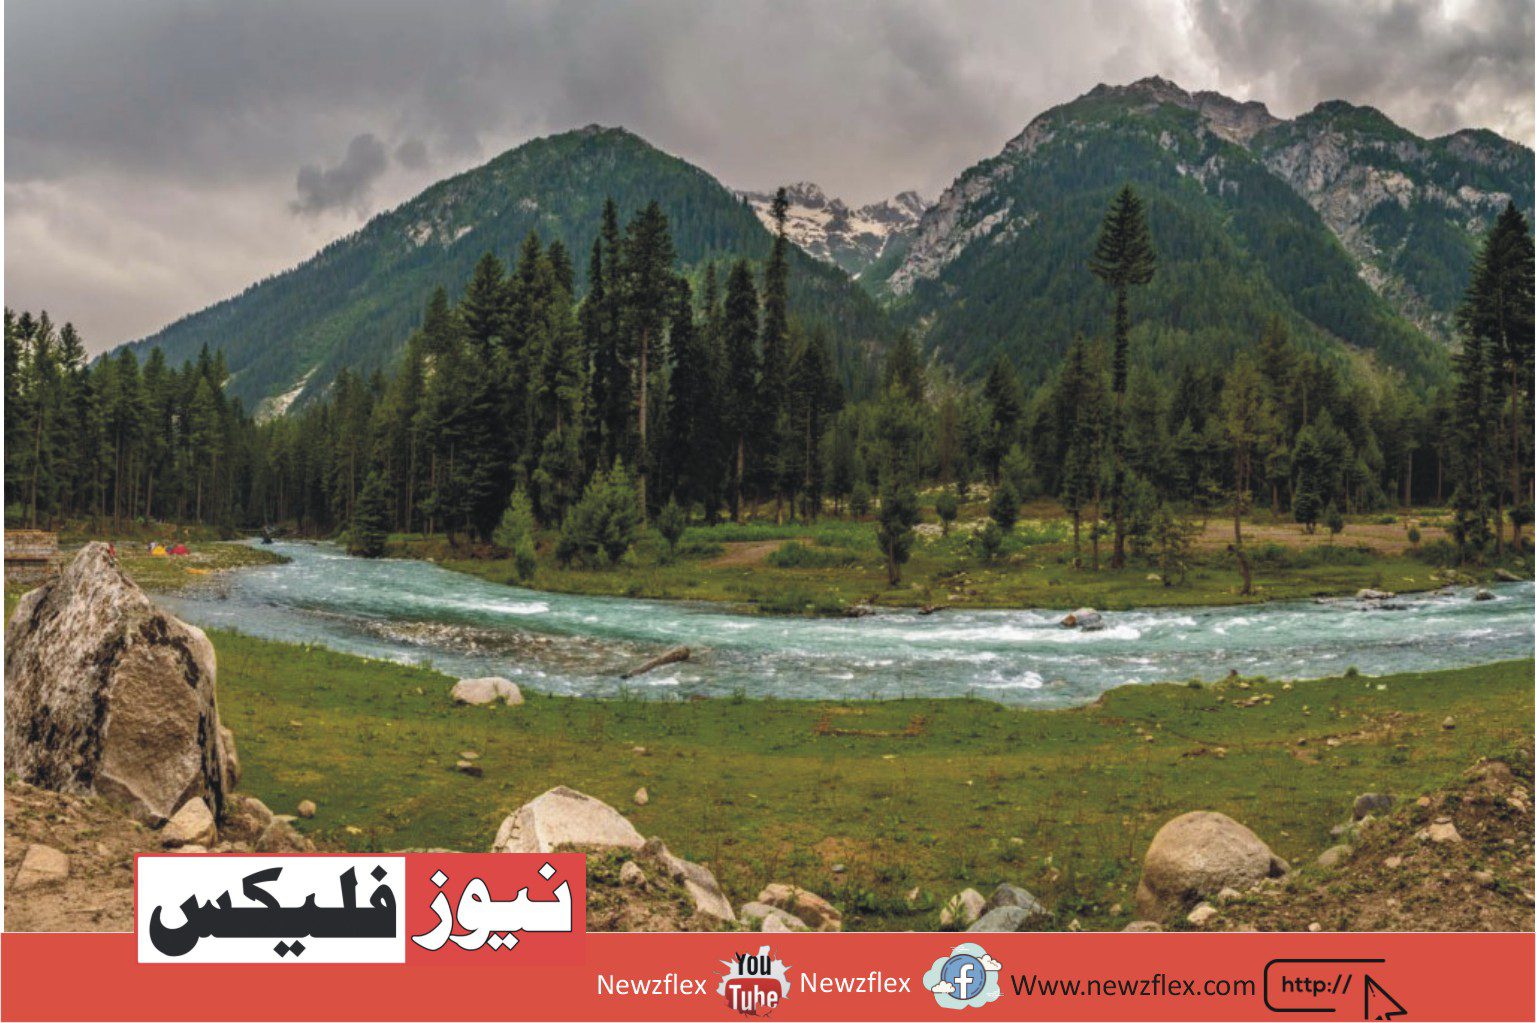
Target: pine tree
[[739, 330], [649, 294], [369, 529], [1123, 258]]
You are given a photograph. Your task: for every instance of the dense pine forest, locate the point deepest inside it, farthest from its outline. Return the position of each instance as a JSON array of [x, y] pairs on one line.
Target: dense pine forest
[[577, 406]]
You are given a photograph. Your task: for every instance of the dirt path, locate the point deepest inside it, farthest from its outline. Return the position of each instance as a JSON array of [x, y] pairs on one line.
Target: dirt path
[[744, 553]]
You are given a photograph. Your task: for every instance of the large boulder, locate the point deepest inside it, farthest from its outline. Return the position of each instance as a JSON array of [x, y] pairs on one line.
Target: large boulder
[[563, 816], [1195, 856], [106, 693]]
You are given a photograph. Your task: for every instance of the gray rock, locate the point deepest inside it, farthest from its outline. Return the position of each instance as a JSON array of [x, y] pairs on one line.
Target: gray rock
[[1504, 575], [1013, 895], [642, 796], [563, 816], [771, 918], [1335, 855], [816, 911], [1370, 594], [479, 692], [700, 882], [631, 874], [193, 824], [1202, 914], [1196, 855], [1085, 618], [1002, 918], [307, 808], [962, 910], [1142, 927], [42, 864], [1371, 803], [1482, 594], [105, 692], [280, 837]]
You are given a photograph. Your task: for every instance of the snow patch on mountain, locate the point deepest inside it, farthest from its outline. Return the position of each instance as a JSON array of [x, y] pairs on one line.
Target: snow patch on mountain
[[828, 229]]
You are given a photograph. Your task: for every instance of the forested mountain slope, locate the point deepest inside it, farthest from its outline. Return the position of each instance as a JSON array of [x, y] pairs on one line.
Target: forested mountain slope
[[1353, 231], [354, 303]]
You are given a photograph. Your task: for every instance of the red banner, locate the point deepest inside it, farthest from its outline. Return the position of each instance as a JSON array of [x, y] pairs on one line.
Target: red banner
[[846, 977]]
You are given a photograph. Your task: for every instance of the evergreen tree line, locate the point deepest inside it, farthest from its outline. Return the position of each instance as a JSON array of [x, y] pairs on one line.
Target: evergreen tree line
[[664, 397], [114, 441]]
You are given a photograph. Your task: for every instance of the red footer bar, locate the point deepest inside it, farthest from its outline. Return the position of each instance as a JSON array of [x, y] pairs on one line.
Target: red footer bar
[[847, 977]]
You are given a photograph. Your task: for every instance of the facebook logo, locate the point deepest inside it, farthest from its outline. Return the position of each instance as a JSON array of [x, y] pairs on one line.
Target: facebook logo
[[964, 972], [965, 978]]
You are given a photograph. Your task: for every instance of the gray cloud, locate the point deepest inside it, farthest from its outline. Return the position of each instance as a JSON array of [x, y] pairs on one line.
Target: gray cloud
[[167, 119], [346, 185]]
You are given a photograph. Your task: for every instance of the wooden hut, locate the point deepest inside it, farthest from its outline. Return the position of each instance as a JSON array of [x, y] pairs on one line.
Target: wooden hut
[[31, 555]]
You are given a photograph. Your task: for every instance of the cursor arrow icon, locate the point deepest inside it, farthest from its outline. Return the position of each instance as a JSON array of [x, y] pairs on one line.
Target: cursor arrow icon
[[1379, 1004]]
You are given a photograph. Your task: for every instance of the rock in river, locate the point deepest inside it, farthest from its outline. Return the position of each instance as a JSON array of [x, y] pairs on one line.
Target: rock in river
[[105, 692], [1085, 618]]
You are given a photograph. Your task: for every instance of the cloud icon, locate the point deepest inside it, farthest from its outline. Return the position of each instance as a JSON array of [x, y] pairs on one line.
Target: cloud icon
[[943, 987], [989, 964]]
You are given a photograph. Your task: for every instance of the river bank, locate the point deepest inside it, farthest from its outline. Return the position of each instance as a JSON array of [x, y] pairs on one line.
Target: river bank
[[863, 802], [823, 568]]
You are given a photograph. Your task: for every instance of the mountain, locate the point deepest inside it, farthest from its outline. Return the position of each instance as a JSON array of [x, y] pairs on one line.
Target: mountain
[[1356, 233], [354, 303], [832, 232]]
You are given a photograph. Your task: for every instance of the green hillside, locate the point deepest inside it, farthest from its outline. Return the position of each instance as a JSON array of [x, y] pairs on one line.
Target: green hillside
[[354, 303]]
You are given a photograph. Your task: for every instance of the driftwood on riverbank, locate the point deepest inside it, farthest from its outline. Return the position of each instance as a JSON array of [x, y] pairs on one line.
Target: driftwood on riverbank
[[673, 656]]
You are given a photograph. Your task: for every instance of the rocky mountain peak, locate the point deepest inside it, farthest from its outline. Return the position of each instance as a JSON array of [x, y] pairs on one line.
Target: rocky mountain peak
[[828, 229]]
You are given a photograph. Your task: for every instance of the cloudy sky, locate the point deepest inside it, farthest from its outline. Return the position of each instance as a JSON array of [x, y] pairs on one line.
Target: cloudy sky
[[163, 154]]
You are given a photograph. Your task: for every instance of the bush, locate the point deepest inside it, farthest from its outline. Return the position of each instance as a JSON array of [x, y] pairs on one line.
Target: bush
[[515, 532], [799, 555], [1333, 520], [670, 523], [947, 507], [1004, 508], [859, 501], [604, 523], [989, 541], [1438, 553], [1413, 536]]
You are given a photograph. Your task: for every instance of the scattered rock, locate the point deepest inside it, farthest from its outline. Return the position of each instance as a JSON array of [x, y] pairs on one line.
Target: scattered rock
[[468, 754], [245, 818], [702, 887], [631, 873], [1228, 894], [105, 692], [640, 751], [962, 910], [808, 906], [642, 796], [1007, 895], [42, 864], [771, 918], [1372, 594], [193, 824], [1002, 918], [1448, 724], [1483, 594], [193, 849], [470, 768], [673, 656], [1483, 877], [858, 611], [1196, 855], [478, 692], [1085, 618], [1202, 914], [1142, 927], [1334, 855], [563, 816], [1392, 862], [280, 836], [1442, 831], [307, 808], [1368, 803], [1314, 927]]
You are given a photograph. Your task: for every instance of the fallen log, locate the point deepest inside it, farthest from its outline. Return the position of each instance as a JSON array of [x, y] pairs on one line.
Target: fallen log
[[673, 656]]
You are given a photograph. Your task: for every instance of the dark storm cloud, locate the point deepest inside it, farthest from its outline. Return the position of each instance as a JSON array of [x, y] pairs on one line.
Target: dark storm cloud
[[149, 144], [1434, 68], [346, 185]]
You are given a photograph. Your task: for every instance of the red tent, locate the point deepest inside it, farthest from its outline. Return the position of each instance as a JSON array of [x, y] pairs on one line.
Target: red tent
[[180, 548]]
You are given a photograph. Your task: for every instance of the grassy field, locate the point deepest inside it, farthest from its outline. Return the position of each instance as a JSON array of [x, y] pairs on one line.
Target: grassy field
[[933, 794], [824, 567]]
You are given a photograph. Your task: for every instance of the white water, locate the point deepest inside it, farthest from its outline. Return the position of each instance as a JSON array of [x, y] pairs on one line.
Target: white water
[[416, 612]]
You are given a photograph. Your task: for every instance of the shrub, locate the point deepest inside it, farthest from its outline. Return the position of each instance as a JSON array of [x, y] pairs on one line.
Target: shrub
[[1004, 508], [515, 534], [603, 523], [799, 555], [670, 523], [859, 500], [989, 541], [1333, 520], [947, 507], [1413, 536]]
